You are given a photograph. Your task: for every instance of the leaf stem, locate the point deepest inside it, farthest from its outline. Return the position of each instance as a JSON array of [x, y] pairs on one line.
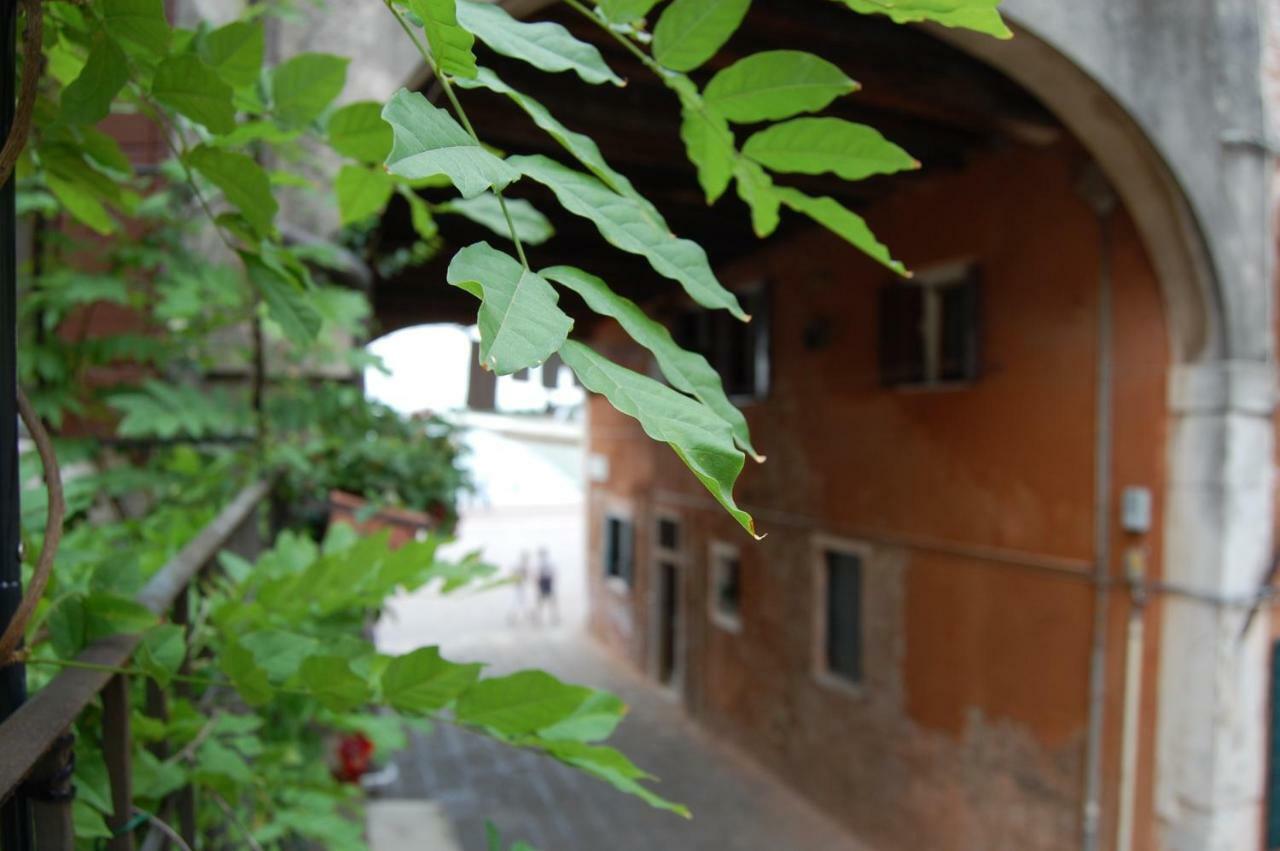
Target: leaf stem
[[618, 37], [462, 116]]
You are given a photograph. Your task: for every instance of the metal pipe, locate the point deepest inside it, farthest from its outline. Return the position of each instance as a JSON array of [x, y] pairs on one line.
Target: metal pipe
[[15, 815], [1135, 569], [1099, 195]]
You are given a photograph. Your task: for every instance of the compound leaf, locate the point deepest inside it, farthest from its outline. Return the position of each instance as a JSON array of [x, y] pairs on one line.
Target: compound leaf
[[428, 142], [776, 84], [545, 45]]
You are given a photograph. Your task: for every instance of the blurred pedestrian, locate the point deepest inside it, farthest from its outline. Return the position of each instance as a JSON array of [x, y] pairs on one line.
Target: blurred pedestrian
[[546, 588]]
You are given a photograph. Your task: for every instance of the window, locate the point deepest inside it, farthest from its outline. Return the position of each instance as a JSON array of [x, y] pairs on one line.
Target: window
[[738, 351], [726, 587], [619, 549], [669, 534], [840, 616], [929, 329]]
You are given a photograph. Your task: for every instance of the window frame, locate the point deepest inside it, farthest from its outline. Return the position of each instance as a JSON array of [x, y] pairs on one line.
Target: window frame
[[678, 557], [620, 583], [819, 665], [932, 283], [717, 553], [715, 349]]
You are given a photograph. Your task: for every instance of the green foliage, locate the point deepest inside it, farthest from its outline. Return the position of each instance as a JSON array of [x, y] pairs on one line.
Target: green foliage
[[451, 45], [428, 142], [547, 46], [235, 51], [242, 181], [775, 84], [185, 84], [304, 85], [817, 145], [362, 192], [358, 131], [519, 321], [88, 98], [703, 441], [689, 32]]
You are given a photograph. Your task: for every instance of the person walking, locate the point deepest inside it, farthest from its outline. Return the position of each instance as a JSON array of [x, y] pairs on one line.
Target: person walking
[[546, 577]]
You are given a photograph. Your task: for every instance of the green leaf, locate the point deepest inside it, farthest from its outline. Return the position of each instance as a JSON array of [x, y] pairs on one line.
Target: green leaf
[[583, 148], [285, 297], [161, 652], [707, 139], [689, 32], [776, 84], [249, 679], [532, 227], [81, 204], [332, 682], [451, 45], [520, 323], [422, 682], [757, 189], [625, 11], [358, 131], [277, 652], [302, 86], [235, 51], [66, 625], [137, 24], [104, 150], [429, 142], [980, 15], [188, 86], [546, 45], [688, 372], [362, 192], [106, 613], [420, 215], [519, 704], [843, 222], [244, 183], [87, 100], [818, 145], [701, 439], [88, 823], [615, 769], [631, 226], [593, 721]]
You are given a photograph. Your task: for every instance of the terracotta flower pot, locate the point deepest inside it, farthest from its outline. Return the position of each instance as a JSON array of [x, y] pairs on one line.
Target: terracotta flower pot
[[403, 523]]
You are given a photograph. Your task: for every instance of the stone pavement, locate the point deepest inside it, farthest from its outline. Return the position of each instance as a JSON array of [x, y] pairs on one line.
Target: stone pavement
[[736, 805]]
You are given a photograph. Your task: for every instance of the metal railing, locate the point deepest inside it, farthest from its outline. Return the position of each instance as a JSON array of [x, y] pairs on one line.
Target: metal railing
[[36, 746]]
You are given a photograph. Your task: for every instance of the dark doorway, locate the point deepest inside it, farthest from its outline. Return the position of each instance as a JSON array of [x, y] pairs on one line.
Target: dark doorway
[[668, 622]]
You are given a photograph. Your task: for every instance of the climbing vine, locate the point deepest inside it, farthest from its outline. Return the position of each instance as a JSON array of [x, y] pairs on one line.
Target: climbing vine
[[284, 635]]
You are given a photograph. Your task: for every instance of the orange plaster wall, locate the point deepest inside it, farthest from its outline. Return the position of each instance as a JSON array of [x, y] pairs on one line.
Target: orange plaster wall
[[971, 729]]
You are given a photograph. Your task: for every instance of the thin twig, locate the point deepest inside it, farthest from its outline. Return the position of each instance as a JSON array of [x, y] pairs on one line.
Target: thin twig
[[226, 808], [57, 511], [32, 67], [164, 827]]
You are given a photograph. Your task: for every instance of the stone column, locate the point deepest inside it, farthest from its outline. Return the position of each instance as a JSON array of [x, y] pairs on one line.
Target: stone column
[[1212, 724]]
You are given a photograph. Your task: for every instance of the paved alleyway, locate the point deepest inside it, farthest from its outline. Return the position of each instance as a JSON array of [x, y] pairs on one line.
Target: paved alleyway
[[737, 807]]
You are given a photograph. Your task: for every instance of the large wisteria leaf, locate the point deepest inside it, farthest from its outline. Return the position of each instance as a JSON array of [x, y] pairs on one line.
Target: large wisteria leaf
[[451, 45], [687, 371], [776, 84], [817, 145], [545, 45], [138, 24], [427, 141], [757, 189], [358, 131], [362, 192], [708, 141], [235, 51], [87, 99], [979, 15], [689, 32], [843, 222], [702, 440], [304, 85], [629, 225], [582, 147], [520, 323]]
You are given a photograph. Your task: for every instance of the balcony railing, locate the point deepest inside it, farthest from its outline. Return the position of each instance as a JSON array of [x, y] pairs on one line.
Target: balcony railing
[[36, 746]]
